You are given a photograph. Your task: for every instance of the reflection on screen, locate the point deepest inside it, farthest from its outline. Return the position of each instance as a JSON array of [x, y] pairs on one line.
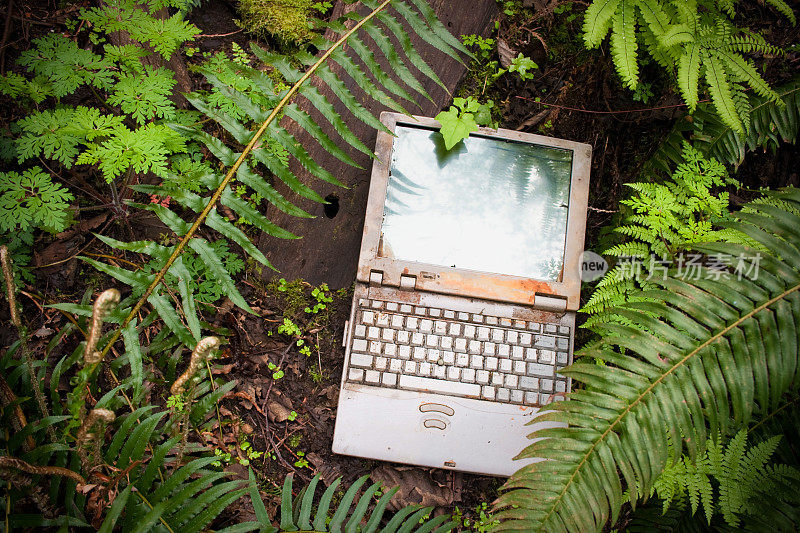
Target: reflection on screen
[[489, 205]]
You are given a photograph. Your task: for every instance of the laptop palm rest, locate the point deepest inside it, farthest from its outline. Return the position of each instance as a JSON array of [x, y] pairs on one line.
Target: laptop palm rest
[[433, 430]]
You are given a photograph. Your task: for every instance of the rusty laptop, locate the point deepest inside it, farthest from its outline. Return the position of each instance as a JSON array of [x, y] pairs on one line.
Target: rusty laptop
[[464, 305]]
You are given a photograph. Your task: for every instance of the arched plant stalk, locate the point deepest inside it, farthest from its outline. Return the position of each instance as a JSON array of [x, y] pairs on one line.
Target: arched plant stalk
[[232, 172]]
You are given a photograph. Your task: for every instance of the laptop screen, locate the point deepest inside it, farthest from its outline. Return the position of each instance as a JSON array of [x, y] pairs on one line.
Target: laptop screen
[[489, 204]]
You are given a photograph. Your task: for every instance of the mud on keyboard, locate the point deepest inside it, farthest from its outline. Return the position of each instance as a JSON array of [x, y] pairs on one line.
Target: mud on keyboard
[[428, 349]]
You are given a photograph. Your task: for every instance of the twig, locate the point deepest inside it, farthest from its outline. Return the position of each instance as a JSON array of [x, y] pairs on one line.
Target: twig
[[206, 36], [602, 210], [6, 33]]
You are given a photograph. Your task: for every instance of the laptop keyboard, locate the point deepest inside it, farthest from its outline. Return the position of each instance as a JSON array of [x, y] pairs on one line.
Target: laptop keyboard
[[456, 353]]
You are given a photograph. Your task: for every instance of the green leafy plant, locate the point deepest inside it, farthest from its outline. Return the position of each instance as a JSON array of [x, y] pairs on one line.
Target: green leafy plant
[[522, 65], [289, 21], [743, 478], [697, 40], [348, 515], [705, 359], [662, 220], [462, 118]]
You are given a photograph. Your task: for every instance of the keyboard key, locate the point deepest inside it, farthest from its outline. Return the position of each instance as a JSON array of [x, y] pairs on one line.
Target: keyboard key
[[520, 324], [359, 345], [382, 320], [519, 367], [432, 341], [562, 343], [463, 316], [505, 365], [375, 347], [447, 343], [355, 374], [462, 359], [390, 350], [563, 330], [506, 322], [468, 374], [418, 353], [426, 326], [395, 365], [512, 337], [390, 380], [561, 386], [360, 331], [424, 369], [373, 332], [489, 348], [503, 395], [517, 396], [538, 369], [441, 386], [528, 383], [410, 367], [534, 327], [469, 331], [547, 356], [440, 327], [461, 345], [491, 363], [525, 339], [497, 379], [403, 352], [487, 392], [476, 362], [449, 358], [561, 358], [392, 306], [482, 376], [478, 319], [360, 359], [545, 341], [453, 373], [532, 398], [368, 317], [377, 304], [435, 312], [546, 385], [483, 333], [455, 329], [417, 339], [388, 335], [405, 308], [550, 328], [491, 320], [439, 371], [381, 363], [372, 376], [397, 321], [503, 350], [474, 347], [531, 354], [412, 322], [449, 314], [517, 352], [403, 337], [422, 311], [512, 381]]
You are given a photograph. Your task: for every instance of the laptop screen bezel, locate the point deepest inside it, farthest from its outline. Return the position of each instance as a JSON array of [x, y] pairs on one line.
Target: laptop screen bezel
[[471, 283]]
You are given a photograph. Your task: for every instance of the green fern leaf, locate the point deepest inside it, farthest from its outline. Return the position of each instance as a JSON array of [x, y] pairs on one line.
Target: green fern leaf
[[145, 96], [623, 44], [720, 90], [598, 21]]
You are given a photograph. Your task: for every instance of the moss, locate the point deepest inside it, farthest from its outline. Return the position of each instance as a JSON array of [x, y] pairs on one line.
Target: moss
[[285, 20]]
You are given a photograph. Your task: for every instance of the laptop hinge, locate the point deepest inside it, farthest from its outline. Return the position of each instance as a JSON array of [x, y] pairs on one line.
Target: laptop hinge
[[549, 303], [375, 278]]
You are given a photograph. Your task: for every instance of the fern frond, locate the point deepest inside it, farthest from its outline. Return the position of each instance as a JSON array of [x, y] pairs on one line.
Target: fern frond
[[623, 43], [784, 9], [720, 90], [676, 375], [598, 21]]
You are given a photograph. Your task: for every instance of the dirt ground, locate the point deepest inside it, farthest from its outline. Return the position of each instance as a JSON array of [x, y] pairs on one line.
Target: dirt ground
[[593, 108]]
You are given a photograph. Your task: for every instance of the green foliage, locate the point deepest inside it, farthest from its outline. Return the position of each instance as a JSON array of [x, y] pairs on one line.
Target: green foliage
[[743, 479], [771, 123], [286, 20], [521, 65], [662, 220], [695, 40], [31, 201], [307, 513], [463, 117], [703, 358], [145, 95]]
